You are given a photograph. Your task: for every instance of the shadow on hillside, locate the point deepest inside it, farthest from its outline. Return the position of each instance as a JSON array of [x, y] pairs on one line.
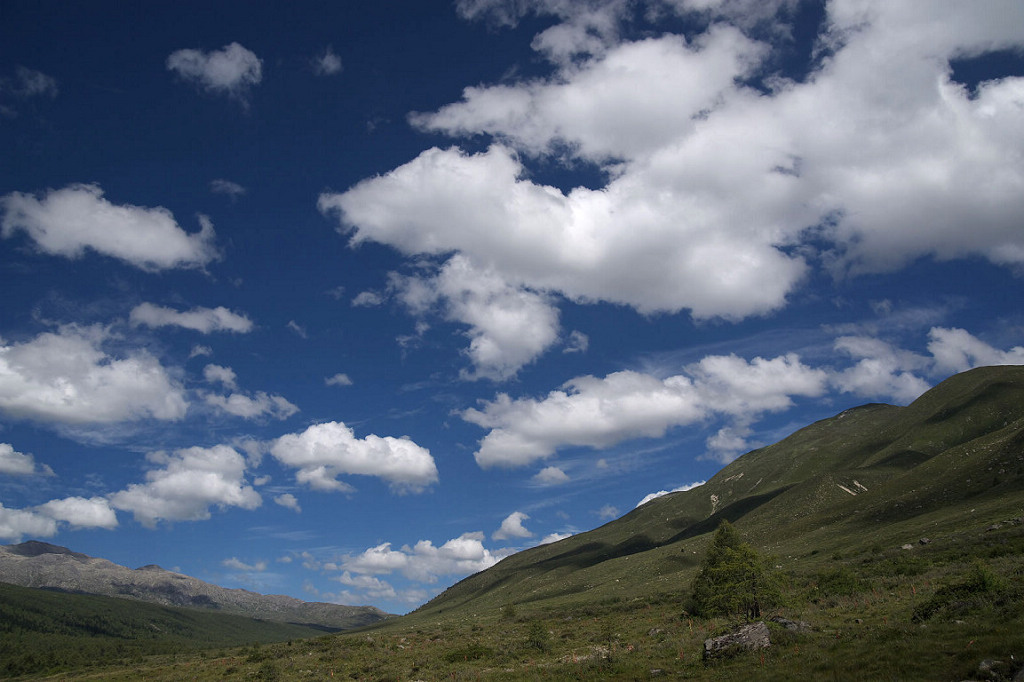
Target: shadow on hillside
[[593, 553]]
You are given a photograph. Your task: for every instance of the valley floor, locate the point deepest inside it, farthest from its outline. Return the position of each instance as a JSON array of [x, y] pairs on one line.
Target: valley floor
[[930, 613]]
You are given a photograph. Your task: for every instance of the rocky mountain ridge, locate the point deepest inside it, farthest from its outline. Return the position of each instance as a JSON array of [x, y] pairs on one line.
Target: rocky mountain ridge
[[42, 565]]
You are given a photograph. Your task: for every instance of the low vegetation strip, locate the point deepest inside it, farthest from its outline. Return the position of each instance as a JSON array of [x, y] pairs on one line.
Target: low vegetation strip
[[45, 631]]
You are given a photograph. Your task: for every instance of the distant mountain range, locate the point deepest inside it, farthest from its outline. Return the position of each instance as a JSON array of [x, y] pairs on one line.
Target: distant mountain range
[[42, 565], [874, 477]]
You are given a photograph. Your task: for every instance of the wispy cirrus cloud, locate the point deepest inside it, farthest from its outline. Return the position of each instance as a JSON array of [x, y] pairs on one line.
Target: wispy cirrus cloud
[[203, 320], [237, 564], [227, 188], [17, 91]]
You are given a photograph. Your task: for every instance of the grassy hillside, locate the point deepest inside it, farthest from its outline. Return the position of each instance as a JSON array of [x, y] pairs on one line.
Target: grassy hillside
[[42, 630], [873, 476]]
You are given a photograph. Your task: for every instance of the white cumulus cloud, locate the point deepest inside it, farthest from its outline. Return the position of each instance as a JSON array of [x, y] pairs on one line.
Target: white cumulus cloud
[[327, 63], [288, 501], [66, 222], [217, 374], [881, 370], [720, 197], [188, 483], [66, 376], [14, 463], [80, 512], [588, 245], [508, 326], [651, 496], [232, 70], [424, 561], [325, 451], [626, 103], [255, 406], [16, 523], [367, 299], [372, 586], [551, 475], [554, 537], [45, 520], [512, 527], [956, 350], [599, 413]]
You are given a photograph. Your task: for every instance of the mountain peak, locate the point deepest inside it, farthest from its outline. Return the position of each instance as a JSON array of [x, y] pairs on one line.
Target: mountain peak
[[36, 548]]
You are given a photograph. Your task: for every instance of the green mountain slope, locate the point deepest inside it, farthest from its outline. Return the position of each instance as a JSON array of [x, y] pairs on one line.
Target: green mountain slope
[[877, 475]]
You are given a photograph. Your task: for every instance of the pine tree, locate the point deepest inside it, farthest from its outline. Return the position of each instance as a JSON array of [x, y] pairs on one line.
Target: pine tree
[[734, 579]]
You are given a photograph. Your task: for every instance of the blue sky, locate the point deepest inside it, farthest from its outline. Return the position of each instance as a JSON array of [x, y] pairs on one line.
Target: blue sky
[[347, 301]]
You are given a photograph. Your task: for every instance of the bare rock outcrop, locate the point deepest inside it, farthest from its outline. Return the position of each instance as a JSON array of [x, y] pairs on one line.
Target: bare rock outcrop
[[748, 638]]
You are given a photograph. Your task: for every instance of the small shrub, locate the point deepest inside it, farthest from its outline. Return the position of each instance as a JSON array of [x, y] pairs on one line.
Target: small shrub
[[537, 637], [471, 652], [979, 588], [1006, 547], [902, 564], [269, 671], [256, 654], [840, 582]]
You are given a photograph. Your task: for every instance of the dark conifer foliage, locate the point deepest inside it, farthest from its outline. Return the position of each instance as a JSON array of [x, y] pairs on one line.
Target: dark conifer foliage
[[734, 579]]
